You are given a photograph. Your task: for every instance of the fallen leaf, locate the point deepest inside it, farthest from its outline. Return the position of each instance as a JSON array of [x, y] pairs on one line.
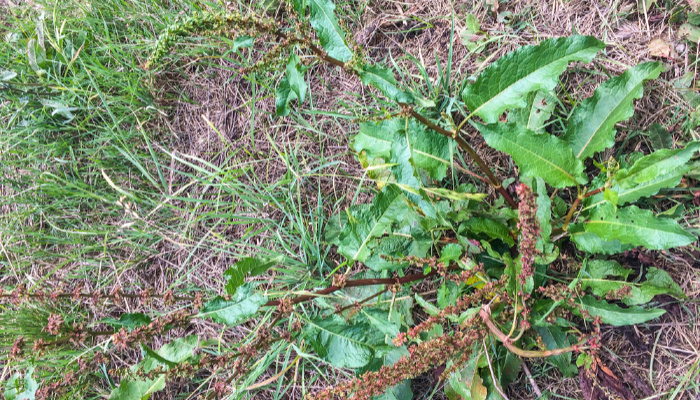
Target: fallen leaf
[[661, 48]]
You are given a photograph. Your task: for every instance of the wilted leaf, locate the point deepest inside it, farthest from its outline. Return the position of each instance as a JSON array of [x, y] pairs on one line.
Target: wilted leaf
[[325, 24], [242, 306], [505, 83], [592, 126], [661, 48], [538, 155]]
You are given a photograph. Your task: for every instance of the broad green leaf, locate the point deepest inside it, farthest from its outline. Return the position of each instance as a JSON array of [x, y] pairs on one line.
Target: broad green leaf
[[18, 388], [487, 226], [592, 126], [536, 113], [397, 246], [291, 87], [329, 33], [615, 315], [462, 382], [384, 322], [128, 320], [649, 174], [506, 83], [598, 269], [430, 151], [555, 338], [448, 293], [170, 354], [451, 252], [341, 344], [538, 155], [236, 274], [242, 306], [388, 207], [589, 242], [300, 7], [637, 227], [657, 282], [383, 79], [243, 42], [417, 148]]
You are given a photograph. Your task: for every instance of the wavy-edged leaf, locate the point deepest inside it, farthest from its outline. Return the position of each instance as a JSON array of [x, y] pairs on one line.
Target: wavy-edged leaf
[[593, 244], [325, 24], [341, 344], [592, 126], [242, 306], [383, 79], [505, 83], [649, 174], [236, 274], [128, 321], [615, 315], [538, 155], [388, 206], [291, 87], [637, 227]]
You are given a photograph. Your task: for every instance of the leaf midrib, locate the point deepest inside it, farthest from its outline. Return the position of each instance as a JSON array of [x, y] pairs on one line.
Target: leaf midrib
[[371, 232], [607, 117], [571, 177], [341, 336], [525, 77]]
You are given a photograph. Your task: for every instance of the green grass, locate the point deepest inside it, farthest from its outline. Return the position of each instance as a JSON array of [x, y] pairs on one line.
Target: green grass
[[95, 190]]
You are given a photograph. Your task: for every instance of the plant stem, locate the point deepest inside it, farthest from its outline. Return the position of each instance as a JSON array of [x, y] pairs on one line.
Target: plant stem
[[485, 314], [359, 282], [464, 145], [495, 182]]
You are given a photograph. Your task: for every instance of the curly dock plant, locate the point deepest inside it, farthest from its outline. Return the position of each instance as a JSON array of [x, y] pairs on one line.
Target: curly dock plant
[[489, 257]]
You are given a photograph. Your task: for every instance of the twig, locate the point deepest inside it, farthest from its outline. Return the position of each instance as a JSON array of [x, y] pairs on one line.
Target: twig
[[359, 282], [532, 380], [493, 375]]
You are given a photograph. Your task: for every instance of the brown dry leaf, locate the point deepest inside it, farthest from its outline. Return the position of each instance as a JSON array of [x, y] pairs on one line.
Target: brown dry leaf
[[661, 48], [599, 383]]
